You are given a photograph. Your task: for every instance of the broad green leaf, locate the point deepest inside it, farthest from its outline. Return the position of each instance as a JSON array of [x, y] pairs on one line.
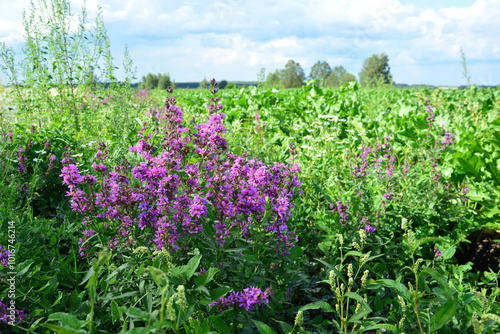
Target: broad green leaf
[[286, 328], [115, 312], [206, 276], [383, 326], [263, 328], [216, 293], [359, 315], [318, 305], [425, 240], [67, 320], [219, 324], [444, 313], [87, 275], [62, 330]]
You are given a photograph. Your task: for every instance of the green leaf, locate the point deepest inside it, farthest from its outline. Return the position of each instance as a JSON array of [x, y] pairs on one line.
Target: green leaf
[[141, 330], [136, 313], [67, 320], [441, 279], [383, 326], [286, 328], [316, 305], [219, 324], [216, 293], [193, 265], [263, 328], [87, 275], [354, 296], [400, 288], [444, 313], [62, 330], [206, 276], [448, 254], [359, 315], [425, 240], [126, 294], [22, 268], [115, 312]]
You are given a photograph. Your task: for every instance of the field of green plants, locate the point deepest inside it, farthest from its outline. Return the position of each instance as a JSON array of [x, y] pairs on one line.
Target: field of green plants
[[247, 210], [243, 210]]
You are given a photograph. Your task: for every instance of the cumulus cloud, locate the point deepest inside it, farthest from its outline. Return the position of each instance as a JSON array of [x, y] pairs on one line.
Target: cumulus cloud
[[235, 38]]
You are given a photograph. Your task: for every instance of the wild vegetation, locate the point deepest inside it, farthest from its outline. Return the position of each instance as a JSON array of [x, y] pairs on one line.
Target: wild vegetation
[[307, 210]]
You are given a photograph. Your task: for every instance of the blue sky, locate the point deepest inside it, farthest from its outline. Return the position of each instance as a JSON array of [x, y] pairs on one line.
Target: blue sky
[[234, 39]]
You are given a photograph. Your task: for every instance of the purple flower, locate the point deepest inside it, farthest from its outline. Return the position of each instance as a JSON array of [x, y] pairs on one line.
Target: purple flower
[[88, 233], [369, 228], [438, 252], [247, 299], [4, 256], [6, 314], [71, 175]]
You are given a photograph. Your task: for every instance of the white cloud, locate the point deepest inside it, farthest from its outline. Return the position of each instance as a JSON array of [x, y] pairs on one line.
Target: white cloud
[[235, 38]]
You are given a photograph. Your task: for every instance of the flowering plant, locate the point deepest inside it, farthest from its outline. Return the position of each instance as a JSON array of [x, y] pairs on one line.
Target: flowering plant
[[184, 182]]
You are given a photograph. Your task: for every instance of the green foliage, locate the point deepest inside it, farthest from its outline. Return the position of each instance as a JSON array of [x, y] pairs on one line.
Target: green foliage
[[376, 71], [204, 84], [338, 277], [465, 73], [292, 76], [222, 84], [273, 79], [156, 81], [320, 71], [261, 77], [339, 77], [61, 66]]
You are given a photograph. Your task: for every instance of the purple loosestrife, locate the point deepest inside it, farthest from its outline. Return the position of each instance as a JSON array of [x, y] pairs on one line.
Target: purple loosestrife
[[341, 209], [430, 118], [247, 299], [21, 159], [368, 228], [4, 256], [5, 314], [187, 180], [361, 169]]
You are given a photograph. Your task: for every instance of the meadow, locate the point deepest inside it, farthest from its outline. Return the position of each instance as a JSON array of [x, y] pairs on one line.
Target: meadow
[[311, 210]]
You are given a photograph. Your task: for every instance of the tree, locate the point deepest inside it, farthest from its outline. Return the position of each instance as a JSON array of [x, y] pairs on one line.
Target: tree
[[320, 71], [164, 81], [293, 75], [203, 84], [339, 76], [273, 79], [376, 71], [261, 77], [150, 81], [222, 84]]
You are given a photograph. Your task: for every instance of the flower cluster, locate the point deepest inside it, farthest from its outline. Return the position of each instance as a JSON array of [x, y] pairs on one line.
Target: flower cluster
[[341, 209], [186, 180], [4, 256], [6, 314], [21, 158], [247, 299], [431, 117], [142, 95], [368, 228]]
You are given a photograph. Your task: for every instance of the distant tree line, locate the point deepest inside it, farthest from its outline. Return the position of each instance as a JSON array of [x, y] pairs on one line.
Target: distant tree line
[[375, 72], [156, 81]]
